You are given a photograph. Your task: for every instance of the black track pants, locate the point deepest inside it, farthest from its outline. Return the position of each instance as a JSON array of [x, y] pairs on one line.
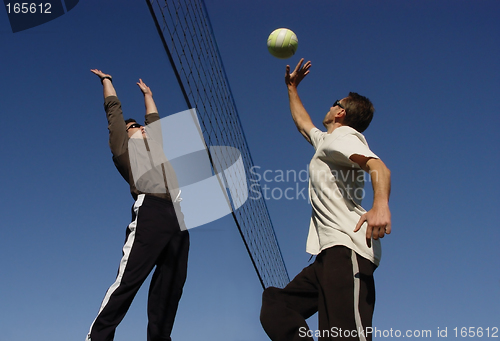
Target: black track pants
[[339, 286], [153, 238]]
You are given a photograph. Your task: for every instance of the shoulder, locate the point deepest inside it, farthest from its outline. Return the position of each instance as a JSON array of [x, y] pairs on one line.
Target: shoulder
[[316, 136], [346, 134], [347, 142]]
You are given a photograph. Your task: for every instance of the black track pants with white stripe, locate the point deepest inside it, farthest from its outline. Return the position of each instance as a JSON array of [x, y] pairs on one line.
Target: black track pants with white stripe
[[339, 286], [153, 239]]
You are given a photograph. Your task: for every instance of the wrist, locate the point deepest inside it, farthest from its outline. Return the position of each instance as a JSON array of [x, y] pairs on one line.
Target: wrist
[[380, 203], [106, 77]]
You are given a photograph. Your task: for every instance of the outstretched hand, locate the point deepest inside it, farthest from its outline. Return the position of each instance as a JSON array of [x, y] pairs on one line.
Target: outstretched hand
[[294, 78], [99, 73], [144, 88]]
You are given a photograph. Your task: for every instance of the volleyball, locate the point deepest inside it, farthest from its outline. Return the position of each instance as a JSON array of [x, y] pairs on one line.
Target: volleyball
[[282, 43]]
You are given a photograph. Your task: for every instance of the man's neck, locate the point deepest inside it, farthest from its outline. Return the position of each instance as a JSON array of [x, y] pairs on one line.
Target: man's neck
[[331, 127]]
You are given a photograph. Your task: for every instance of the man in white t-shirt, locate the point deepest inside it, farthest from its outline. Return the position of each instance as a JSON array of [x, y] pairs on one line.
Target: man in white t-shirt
[[339, 284]]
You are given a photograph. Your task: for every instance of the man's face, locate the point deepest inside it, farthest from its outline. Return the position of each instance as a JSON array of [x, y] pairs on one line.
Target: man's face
[[134, 127], [336, 109]]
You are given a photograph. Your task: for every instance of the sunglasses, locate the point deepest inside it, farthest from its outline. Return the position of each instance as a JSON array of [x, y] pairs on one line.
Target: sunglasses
[[337, 102], [135, 125]]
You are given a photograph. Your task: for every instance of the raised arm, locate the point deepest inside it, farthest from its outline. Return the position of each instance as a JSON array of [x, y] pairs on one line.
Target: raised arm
[[379, 217], [299, 114], [107, 83], [118, 137], [148, 98]]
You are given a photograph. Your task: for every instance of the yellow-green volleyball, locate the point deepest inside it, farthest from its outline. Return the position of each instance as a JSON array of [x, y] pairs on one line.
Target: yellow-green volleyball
[[282, 43]]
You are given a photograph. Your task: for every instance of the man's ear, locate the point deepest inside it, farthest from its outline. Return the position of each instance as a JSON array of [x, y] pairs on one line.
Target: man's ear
[[340, 116]]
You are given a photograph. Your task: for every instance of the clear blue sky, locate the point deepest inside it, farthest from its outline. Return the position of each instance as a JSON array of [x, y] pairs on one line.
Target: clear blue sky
[[431, 70]]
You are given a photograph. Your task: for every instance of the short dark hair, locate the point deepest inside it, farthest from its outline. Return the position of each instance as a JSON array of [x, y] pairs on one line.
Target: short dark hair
[[130, 120], [359, 111]]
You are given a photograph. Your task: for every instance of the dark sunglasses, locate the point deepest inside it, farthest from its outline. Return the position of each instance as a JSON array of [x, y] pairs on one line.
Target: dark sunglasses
[[337, 102], [135, 125]]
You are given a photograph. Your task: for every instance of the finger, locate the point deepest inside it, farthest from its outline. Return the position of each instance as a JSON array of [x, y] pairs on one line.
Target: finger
[[374, 233], [299, 64], [305, 69], [360, 223], [381, 232], [378, 232], [369, 231], [388, 228]]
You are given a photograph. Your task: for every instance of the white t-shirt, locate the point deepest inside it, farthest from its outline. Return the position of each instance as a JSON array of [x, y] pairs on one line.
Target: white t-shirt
[[336, 188]]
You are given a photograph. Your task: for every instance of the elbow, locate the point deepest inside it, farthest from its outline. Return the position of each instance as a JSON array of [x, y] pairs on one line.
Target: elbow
[[377, 167], [388, 171]]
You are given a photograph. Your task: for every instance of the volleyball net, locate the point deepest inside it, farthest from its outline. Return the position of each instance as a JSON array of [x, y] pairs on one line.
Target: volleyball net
[[187, 36]]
